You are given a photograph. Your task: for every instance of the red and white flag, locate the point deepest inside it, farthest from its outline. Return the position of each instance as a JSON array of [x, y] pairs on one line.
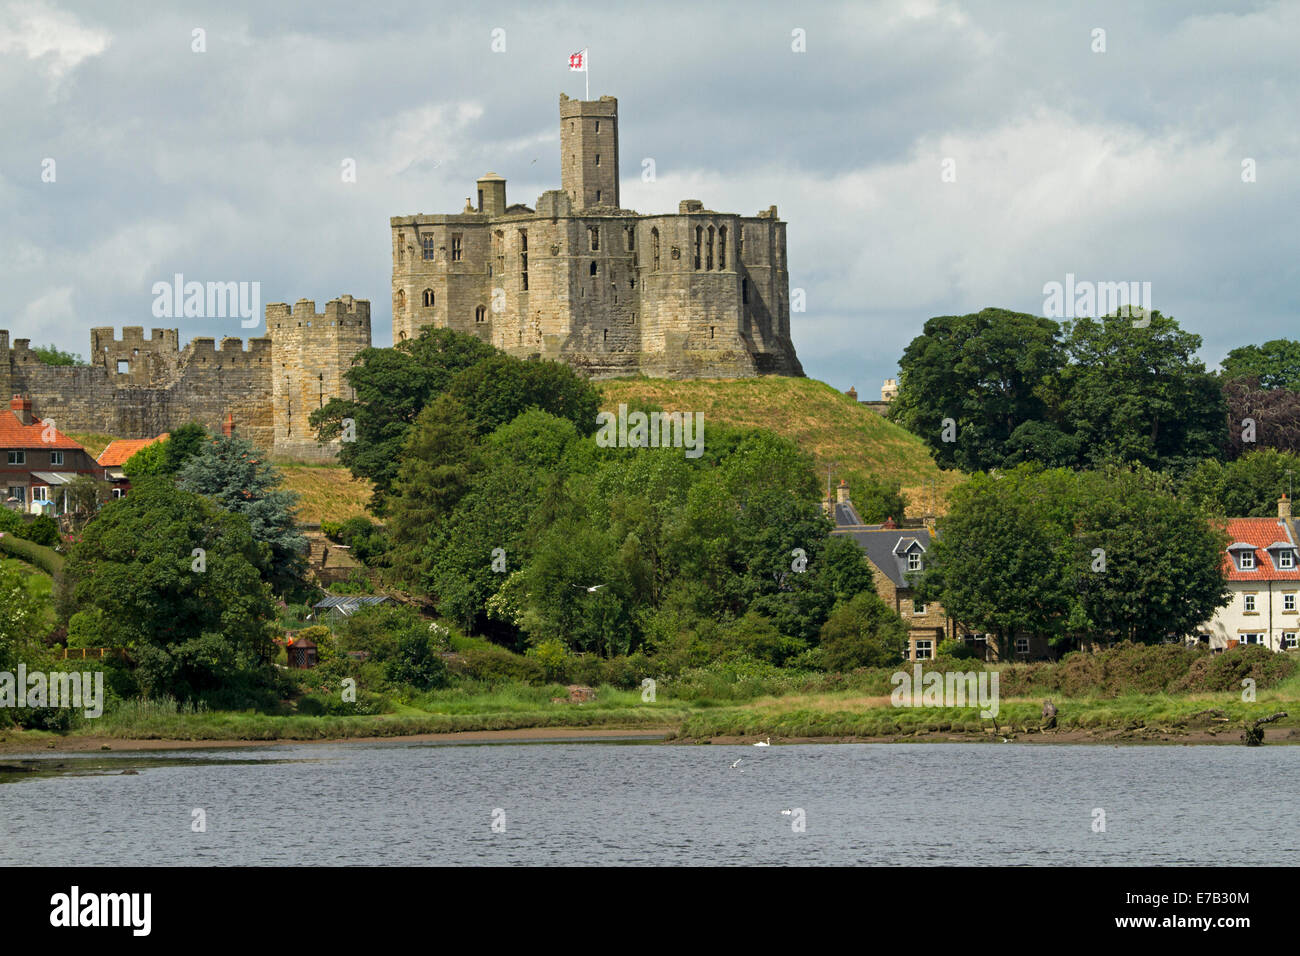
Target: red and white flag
[[578, 62]]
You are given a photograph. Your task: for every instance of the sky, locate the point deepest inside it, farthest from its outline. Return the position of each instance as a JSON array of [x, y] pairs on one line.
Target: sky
[[930, 158]]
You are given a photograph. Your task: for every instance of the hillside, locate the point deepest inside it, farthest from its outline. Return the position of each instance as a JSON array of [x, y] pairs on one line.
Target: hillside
[[824, 422]]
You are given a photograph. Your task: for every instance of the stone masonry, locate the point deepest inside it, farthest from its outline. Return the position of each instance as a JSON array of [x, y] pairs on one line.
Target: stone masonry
[[139, 387], [608, 290]]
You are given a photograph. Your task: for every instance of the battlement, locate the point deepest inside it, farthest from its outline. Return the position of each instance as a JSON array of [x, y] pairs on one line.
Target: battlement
[[341, 312], [203, 351], [605, 106], [104, 340]]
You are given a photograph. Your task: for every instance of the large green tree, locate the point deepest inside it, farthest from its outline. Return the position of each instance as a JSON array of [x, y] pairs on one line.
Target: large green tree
[[1275, 364], [1248, 487], [177, 579], [989, 373]]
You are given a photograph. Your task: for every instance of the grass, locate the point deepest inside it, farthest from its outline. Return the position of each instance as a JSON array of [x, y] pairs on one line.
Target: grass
[[93, 442], [327, 492], [47, 559], [824, 422], [39, 585]]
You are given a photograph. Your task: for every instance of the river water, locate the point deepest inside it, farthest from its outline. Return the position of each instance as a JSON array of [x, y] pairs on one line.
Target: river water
[[644, 803]]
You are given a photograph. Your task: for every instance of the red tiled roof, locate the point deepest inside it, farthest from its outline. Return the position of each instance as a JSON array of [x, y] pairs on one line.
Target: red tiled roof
[[1259, 533], [14, 434], [118, 452]]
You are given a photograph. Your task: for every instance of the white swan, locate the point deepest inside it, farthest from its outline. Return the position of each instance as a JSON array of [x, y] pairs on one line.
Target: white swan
[[764, 743]]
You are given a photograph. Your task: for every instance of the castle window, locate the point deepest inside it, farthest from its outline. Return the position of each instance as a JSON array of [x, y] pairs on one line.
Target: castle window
[[699, 241], [593, 266], [597, 126], [605, 337], [722, 247], [123, 367], [595, 238], [401, 336], [427, 247], [597, 195], [455, 247], [480, 200], [498, 243], [598, 159], [631, 238], [711, 328], [654, 249], [480, 314], [523, 240], [744, 292], [709, 257]]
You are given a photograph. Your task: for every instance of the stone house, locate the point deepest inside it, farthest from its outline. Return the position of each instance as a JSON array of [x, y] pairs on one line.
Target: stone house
[[36, 459], [898, 556], [1262, 566]]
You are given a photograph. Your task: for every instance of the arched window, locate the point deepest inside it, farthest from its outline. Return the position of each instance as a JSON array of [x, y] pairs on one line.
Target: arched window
[[399, 303], [722, 247], [401, 336], [428, 298], [654, 249], [480, 314], [699, 241], [593, 266], [708, 259]]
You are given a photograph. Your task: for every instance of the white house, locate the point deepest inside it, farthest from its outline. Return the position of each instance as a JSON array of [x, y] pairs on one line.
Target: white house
[[1262, 565]]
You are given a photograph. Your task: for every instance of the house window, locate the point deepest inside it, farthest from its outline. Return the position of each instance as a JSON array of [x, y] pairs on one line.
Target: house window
[[1248, 602], [913, 561], [924, 650], [119, 493], [1248, 560], [17, 457], [1289, 640], [429, 298], [1251, 638], [918, 607], [455, 247], [56, 458], [1286, 560], [480, 314], [1288, 602], [1022, 645], [40, 493], [427, 247], [18, 493]]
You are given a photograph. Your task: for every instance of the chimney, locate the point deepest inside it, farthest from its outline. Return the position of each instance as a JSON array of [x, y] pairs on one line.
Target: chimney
[[842, 492], [929, 519], [852, 393], [228, 425], [22, 407], [1284, 508]]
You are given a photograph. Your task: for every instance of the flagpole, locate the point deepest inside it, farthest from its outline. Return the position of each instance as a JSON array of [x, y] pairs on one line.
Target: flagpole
[[587, 72]]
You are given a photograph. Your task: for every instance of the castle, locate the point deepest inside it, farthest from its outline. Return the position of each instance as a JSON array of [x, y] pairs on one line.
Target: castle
[[138, 387], [579, 280], [607, 290]]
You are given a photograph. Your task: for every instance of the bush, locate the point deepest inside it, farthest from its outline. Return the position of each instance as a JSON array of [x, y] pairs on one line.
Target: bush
[[496, 664], [955, 650], [416, 662], [553, 658], [42, 530]]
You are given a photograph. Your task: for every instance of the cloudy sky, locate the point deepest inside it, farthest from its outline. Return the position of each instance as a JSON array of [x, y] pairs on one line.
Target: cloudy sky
[[1119, 165]]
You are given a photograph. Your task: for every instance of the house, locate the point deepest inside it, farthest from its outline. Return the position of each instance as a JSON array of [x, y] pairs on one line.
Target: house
[[301, 652], [117, 454], [38, 460], [898, 556], [346, 605], [1262, 565]]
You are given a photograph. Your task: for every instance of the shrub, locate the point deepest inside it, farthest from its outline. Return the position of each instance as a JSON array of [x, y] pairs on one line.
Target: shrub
[[416, 662], [496, 664], [553, 658], [42, 530]]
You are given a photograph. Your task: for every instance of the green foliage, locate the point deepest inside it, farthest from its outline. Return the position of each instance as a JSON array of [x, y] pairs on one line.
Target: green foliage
[[19, 614], [51, 355], [1275, 364], [230, 471], [553, 658], [1248, 487], [190, 630], [42, 530], [863, 632], [48, 560], [416, 662], [87, 628]]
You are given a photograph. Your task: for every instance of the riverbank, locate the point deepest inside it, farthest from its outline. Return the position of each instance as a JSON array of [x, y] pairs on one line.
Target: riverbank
[[791, 719]]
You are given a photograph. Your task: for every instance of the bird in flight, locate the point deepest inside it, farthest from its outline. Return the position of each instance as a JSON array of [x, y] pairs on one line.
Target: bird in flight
[[591, 590]]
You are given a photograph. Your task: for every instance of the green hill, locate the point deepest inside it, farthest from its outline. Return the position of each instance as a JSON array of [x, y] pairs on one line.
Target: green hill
[[823, 421]]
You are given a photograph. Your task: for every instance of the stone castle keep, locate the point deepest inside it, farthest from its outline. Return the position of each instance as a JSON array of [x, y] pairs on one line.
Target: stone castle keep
[[578, 279], [608, 290]]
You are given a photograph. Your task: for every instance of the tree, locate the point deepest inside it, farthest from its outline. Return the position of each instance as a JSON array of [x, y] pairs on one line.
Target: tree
[[86, 494], [54, 356], [168, 456], [1275, 364], [1138, 394], [1248, 487], [177, 579], [231, 472], [392, 386], [1261, 418], [988, 372], [863, 632], [498, 388], [19, 615]]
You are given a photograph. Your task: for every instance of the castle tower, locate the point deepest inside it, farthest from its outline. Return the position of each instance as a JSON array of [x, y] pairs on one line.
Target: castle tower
[[589, 151], [492, 195], [310, 352]]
